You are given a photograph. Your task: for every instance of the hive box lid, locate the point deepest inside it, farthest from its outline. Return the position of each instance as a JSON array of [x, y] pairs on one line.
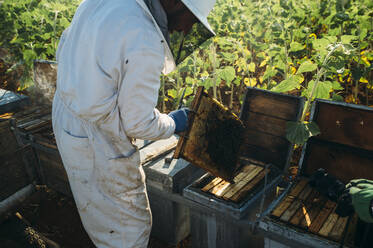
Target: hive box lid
[[345, 146], [262, 139], [265, 115], [10, 101]]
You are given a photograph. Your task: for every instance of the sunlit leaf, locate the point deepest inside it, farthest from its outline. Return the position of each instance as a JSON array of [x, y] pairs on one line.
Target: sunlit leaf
[[306, 66], [288, 84], [299, 132]]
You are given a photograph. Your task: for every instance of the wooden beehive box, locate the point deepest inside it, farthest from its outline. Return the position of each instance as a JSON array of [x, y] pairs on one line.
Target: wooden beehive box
[[345, 149], [263, 150], [34, 126], [15, 167]]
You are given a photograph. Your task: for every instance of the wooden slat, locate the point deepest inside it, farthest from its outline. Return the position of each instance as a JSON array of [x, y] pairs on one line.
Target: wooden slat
[[328, 225], [239, 185], [266, 124], [278, 211], [338, 229], [296, 204], [351, 230], [322, 216], [212, 184], [302, 213], [265, 102], [313, 212], [219, 189], [250, 186], [265, 147]]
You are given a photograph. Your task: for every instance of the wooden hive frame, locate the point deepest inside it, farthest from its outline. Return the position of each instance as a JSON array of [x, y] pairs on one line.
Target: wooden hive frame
[[264, 151], [195, 144], [340, 150]]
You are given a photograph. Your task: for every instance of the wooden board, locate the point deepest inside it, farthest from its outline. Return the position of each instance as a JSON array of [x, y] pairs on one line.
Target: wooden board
[[329, 225], [207, 123], [244, 183], [265, 147], [271, 104], [302, 212], [249, 187], [322, 216], [296, 204], [280, 209], [348, 124], [338, 229], [338, 160]]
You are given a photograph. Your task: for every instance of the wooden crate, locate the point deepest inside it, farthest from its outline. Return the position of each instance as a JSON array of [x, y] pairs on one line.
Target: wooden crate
[[264, 151], [15, 161], [345, 149], [34, 126]]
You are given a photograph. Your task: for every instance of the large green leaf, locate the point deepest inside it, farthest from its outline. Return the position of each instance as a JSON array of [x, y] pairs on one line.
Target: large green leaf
[[288, 84], [322, 90], [299, 132], [296, 46], [227, 74], [306, 66]]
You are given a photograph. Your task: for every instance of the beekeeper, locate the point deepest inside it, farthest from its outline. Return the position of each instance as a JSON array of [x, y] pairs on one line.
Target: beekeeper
[[109, 65]]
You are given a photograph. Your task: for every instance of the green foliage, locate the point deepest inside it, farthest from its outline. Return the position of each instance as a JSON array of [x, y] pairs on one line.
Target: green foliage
[[30, 29]]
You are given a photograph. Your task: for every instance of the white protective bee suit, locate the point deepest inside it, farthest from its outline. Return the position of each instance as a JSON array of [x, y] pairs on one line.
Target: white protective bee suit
[[109, 63]]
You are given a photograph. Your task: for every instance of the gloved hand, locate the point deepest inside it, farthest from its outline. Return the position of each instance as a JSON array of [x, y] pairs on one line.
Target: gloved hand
[[361, 191], [180, 117]]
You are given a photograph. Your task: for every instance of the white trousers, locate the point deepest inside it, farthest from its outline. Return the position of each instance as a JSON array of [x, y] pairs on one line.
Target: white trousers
[[110, 193]]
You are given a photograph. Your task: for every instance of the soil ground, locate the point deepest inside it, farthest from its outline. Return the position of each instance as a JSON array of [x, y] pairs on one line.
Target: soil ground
[[55, 217]]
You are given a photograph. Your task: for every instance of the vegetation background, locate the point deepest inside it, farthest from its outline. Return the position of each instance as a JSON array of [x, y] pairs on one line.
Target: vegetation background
[[312, 48]]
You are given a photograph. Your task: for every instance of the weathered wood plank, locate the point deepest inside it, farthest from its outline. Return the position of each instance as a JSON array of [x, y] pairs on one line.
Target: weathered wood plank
[[265, 102], [212, 184], [249, 186], [322, 216], [338, 229], [328, 225], [265, 147], [266, 124], [278, 211], [239, 185], [297, 203], [351, 230], [313, 211], [219, 189], [302, 213]]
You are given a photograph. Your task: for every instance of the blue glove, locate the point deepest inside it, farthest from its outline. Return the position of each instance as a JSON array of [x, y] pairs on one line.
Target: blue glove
[[180, 117]]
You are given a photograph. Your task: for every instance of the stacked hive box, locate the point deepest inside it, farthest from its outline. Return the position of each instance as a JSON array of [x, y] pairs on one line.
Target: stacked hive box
[[345, 150], [264, 154], [16, 162], [170, 220]]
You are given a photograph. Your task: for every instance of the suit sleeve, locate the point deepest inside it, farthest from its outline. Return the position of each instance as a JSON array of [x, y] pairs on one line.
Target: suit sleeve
[[138, 96]]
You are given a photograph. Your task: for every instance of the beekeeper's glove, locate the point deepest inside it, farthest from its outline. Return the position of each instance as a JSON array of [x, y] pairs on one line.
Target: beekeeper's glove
[[180, 117], [361, 191]]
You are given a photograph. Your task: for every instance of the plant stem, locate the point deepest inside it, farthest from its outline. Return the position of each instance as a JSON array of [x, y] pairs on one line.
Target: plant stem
[[231, 102], [54, 30], [213, 51], [163, 93], [318, 76]]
